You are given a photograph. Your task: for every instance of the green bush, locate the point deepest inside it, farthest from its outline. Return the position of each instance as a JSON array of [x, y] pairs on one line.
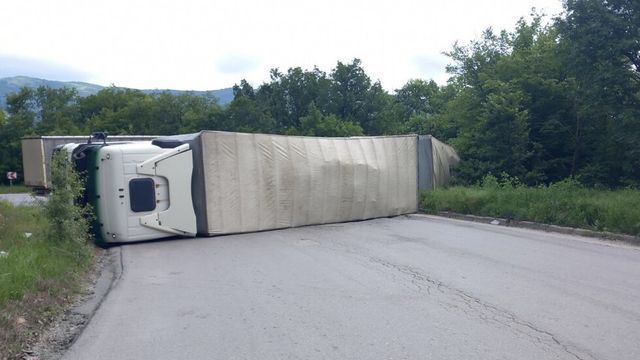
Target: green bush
[[566, 203], [67, 220]]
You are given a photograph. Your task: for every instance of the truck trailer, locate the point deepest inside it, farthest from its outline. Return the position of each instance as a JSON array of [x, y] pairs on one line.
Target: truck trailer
[[214, 183]]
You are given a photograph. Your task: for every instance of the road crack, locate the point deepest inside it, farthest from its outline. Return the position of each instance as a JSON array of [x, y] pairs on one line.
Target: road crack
[[473, 306]]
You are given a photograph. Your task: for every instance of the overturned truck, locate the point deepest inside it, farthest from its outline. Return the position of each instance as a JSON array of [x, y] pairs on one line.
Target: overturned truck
[[214, 183]]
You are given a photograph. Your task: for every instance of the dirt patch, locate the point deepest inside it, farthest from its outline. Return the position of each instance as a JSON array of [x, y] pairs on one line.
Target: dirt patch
[[43, 324]]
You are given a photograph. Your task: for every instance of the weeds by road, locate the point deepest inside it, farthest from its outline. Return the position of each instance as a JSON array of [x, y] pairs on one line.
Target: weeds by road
[[15, 189], [566, 203], [44, 253]]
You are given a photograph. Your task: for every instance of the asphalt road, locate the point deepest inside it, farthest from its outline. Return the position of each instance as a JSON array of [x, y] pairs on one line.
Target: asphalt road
[[415, 287], [22, 199]]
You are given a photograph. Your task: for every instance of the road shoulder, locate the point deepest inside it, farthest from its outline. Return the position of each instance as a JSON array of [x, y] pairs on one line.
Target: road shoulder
[[66, 329], [629, 239]]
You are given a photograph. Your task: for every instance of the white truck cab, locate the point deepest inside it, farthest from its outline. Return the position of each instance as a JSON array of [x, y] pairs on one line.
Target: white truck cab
[[140, 191]]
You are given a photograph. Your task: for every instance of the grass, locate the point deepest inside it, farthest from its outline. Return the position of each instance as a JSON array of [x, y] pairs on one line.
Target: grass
[[37, 276], [15, 189], [30, 261], [45, 255], [566, 203]]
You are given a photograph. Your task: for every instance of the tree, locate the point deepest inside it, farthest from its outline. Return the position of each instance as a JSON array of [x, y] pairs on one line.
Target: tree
[[245, 114], [21, 110], [601, 49], [289, 95], [416, 97], [243, 90], [418, 101], [198, 112], [348, 92], [490, 113], [57, 112], [117, 111], [316, 124], [21, 107], [471, 61]]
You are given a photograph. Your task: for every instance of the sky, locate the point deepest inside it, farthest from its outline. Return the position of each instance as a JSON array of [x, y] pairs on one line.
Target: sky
[[206, 45]]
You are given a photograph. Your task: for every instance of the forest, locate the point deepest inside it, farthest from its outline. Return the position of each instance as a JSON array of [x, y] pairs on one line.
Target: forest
[[555, 98]]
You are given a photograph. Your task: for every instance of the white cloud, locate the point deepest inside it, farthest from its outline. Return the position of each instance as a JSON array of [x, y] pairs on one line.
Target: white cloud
[[192, 44]]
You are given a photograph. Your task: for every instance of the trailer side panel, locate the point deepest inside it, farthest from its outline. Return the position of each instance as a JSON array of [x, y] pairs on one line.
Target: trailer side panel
[[257, 182]]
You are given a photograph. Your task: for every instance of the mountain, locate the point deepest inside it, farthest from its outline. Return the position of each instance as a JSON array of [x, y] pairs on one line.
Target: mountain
[[13, 84]]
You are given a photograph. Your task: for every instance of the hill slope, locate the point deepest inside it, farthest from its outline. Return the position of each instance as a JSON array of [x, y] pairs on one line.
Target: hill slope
[[13, 84]]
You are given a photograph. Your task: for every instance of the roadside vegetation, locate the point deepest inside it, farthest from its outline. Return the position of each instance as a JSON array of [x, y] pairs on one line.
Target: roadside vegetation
[[14, 189], [565, 203], [44, 254]]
